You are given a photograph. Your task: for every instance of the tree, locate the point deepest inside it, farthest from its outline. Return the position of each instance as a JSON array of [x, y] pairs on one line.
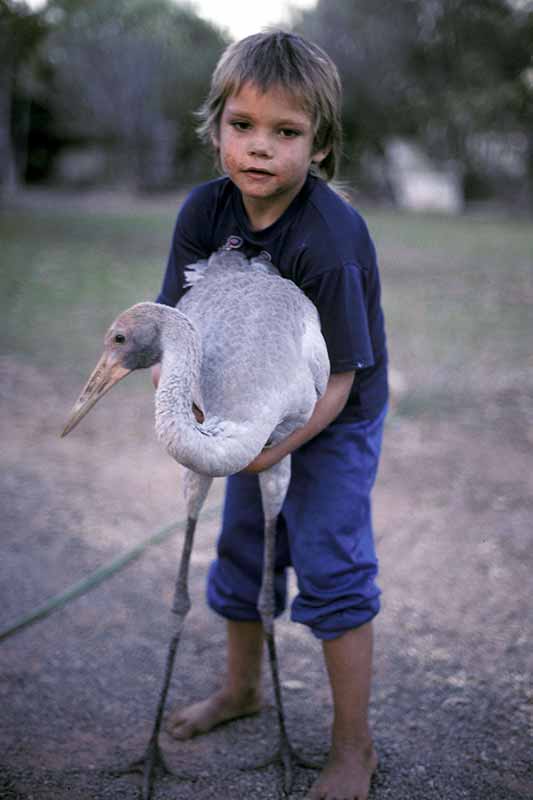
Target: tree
[[129, 75], [469, 59], [371, 44], [20, 31], [441, 71]]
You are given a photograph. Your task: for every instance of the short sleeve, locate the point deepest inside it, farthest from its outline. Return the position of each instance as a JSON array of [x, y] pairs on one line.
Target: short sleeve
[[189, 245], [339, 295]]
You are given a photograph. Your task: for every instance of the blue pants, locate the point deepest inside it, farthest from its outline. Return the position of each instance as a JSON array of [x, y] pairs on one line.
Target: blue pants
[[324, 532]]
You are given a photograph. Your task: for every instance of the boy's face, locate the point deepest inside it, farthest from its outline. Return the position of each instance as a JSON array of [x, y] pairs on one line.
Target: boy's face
[[265, 142]]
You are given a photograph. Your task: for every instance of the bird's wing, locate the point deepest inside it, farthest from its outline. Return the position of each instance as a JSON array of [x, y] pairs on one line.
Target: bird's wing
[[315, 352], [263, 352]]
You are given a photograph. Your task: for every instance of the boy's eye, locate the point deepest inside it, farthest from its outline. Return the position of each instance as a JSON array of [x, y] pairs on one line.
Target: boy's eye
[[240, 125], [289, 133]]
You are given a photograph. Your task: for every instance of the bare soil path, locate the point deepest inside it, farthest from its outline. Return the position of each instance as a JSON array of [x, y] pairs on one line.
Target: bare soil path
[[453, 700]]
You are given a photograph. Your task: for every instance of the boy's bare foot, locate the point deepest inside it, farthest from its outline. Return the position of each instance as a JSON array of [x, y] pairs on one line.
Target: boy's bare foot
[[203, 716], [346, 776]]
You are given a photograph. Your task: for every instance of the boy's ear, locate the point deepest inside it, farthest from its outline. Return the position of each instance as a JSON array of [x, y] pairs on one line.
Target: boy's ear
[[215, 141], [319, 155]]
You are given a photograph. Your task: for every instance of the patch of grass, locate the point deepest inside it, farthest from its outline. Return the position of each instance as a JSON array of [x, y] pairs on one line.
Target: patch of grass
[[458, 298], [66, 274], [457, 293]]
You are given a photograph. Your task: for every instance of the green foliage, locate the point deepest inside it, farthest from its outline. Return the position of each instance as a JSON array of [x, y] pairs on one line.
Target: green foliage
[[20, 30], [470, 61], [130, 75], [438, 70], [127, 76], [371, 44], [20, 33]]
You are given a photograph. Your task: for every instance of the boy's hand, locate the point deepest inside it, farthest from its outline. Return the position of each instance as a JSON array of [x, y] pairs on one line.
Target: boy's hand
[[266, 458], [156, 374]]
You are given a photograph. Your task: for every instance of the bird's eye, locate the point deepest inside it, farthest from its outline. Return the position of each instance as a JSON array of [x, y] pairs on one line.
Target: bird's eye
[[120, 338]]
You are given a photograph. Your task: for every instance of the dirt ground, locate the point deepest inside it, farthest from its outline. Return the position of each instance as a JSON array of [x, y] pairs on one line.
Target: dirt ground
[[452, 707]]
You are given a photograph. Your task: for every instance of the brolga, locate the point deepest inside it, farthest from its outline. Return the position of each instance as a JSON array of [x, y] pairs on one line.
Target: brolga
[[243, 347]]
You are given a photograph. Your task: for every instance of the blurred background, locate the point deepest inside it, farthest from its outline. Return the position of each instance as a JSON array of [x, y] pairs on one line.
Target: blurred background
[[438, 107], [97, 150]]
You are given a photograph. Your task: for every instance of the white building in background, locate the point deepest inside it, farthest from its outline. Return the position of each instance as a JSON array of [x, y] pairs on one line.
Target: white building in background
[[418, 183]]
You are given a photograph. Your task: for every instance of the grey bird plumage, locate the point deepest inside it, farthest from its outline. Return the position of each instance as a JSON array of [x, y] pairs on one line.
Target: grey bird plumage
[[244, 345], [256, 367]]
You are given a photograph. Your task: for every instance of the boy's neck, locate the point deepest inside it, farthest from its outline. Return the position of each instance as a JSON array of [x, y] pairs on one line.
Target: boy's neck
[[264, 212], [261, 217]]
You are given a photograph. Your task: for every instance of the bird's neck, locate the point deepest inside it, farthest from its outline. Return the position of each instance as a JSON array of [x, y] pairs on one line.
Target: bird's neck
[[218, 446]]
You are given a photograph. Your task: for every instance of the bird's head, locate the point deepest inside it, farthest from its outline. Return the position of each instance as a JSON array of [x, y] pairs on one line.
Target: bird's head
[[132, 342]]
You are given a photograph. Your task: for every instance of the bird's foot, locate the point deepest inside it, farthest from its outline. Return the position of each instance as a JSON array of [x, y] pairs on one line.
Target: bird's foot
[[151, 766], [287, 758]]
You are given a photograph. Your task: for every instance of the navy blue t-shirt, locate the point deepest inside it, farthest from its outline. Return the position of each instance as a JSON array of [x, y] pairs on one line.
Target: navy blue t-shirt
[[323, 245]]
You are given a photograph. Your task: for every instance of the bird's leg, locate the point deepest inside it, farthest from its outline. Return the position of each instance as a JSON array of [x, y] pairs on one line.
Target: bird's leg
[[266, 610], [274, 484], [196, 488], [152, 762]]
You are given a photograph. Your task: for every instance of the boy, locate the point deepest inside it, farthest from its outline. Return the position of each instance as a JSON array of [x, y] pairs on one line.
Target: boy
[[273, 116]]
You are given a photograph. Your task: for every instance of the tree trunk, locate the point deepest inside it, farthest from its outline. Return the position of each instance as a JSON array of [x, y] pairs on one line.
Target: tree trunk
[[8, 169]]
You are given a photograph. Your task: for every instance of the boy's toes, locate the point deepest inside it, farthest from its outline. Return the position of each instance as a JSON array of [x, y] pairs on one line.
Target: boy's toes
[[317, 795], [181, 730], [346, 776], [175, 722], [318, 791], [176, 718]]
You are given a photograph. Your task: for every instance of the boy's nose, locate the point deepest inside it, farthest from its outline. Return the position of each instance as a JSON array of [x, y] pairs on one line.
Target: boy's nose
[[260, 146]]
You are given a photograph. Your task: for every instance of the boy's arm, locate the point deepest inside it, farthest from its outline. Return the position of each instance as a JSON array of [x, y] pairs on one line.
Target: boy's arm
[[327, 408]]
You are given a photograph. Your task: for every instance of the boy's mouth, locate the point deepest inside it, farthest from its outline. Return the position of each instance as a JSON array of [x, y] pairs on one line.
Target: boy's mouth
[[257, 171]]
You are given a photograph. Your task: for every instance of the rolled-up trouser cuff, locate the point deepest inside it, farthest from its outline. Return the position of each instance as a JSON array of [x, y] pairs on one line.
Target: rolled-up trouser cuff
[[323, 625], [226, 597], [334, 625]]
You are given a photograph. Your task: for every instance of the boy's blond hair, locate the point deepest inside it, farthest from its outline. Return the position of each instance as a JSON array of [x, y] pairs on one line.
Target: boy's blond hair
[[277, 58]]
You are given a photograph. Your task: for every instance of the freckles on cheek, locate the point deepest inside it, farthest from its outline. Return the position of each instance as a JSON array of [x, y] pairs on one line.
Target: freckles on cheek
[[229, 162]]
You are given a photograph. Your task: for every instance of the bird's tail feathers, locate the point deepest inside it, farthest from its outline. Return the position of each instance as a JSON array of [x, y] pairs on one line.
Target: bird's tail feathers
[[195, 272], [228, 260]]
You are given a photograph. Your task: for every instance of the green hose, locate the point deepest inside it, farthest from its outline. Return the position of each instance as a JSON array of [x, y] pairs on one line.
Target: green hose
[[95, 578]]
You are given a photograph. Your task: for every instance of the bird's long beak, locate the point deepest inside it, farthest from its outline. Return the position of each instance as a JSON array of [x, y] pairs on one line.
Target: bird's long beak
[[107, 372]]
